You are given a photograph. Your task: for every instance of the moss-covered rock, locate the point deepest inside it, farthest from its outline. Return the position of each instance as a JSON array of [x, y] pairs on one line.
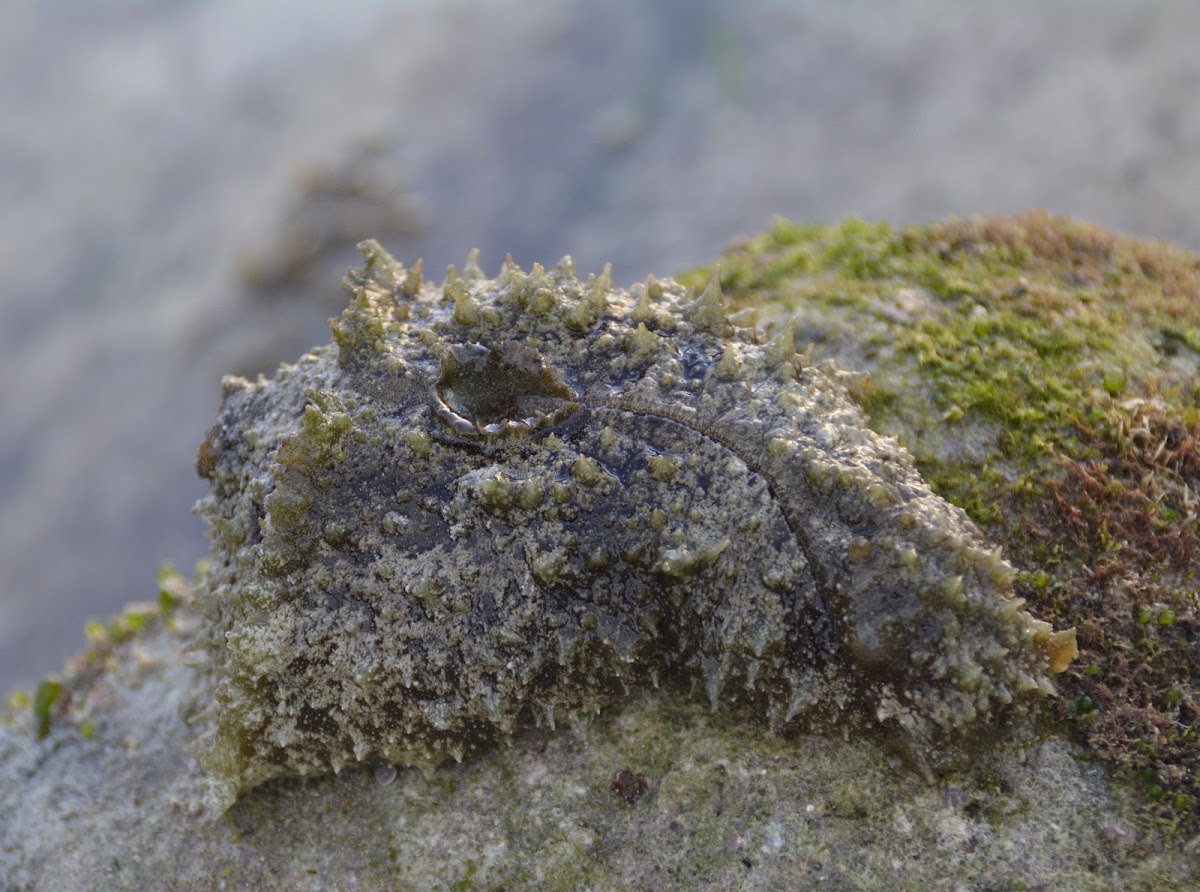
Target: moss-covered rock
[[1042, 375]]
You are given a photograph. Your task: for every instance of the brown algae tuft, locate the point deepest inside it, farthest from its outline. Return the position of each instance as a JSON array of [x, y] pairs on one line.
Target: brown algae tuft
[[503, 503]]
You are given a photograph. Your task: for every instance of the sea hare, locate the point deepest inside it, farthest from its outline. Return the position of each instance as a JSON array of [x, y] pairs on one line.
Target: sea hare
[[500, 503]]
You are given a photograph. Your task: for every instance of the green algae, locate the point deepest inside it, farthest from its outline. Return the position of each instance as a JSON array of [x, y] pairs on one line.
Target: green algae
[[56, 696], [1043, 375], [48, 693]]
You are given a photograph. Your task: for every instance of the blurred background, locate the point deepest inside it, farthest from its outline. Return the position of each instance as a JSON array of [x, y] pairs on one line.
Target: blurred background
[[182, 183]]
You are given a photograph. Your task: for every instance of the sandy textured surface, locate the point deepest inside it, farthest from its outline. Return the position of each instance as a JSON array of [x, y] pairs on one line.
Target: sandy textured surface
[[179, 179]]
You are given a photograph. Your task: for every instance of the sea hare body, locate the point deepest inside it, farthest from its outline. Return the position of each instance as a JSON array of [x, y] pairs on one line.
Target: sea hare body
[[499, 503]]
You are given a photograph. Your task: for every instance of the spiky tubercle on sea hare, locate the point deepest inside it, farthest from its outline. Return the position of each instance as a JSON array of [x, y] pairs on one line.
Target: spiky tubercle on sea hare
[[499, 503]]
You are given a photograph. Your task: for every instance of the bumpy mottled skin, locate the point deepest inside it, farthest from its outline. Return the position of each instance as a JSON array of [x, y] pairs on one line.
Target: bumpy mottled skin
[[500, 503]]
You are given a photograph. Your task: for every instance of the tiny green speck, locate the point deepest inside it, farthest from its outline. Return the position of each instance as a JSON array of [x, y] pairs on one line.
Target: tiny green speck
[[47, 694]]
